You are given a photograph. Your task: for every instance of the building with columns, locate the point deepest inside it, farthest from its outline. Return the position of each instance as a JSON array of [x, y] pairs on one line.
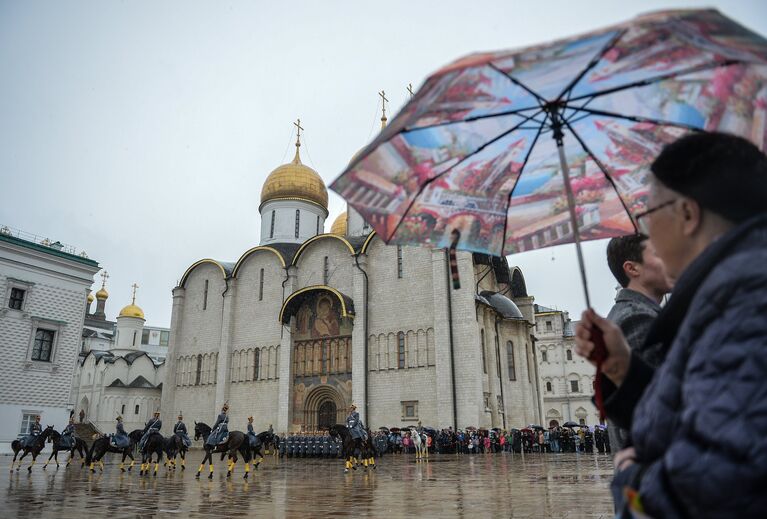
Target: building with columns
[[566, 380], [307, 322]]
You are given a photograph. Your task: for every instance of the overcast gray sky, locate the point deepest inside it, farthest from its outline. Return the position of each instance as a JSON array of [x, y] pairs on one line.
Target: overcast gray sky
[[141, 132]]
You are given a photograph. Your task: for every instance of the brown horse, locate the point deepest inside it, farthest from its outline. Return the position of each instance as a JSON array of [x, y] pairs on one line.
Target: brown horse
[[351, 448], [236, 442], [102, 445], [38, 442], [77, 445]]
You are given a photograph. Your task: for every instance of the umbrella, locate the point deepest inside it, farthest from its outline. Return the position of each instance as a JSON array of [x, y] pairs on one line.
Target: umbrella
[[384, 429], [394, 430], [503, 152], [571, 424], [536, 427], [471, 428], [431, 431], [526, 430]]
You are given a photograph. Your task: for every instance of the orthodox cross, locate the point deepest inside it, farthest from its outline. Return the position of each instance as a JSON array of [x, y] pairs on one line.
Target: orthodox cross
[[383, 108], [135, 286], [410, 89], [298, 126], [104, 277]]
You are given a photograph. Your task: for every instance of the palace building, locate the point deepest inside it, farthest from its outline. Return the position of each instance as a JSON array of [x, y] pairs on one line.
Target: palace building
[[307, 322]]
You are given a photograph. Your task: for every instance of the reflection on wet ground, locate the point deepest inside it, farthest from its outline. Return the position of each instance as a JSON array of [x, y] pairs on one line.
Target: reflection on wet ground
[[497, 485]]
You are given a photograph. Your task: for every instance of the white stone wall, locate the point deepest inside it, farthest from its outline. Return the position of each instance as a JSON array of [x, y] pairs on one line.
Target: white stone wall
[[55, 299], [128, 333], [561, 402], [285, 221]]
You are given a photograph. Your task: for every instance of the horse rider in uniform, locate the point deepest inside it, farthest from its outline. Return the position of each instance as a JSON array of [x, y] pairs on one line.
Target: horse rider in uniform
[[220, 432], [252, 438], [180, 430], [120, 438], [152, 426], [35, 430], [354, 424], [67, 440]]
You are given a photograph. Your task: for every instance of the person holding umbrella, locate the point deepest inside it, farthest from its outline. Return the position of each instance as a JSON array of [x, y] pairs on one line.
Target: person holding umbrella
[[707, 220]]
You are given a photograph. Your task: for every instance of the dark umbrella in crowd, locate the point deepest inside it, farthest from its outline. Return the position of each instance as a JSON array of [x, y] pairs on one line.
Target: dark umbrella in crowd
[[536, 427], [571, 424]]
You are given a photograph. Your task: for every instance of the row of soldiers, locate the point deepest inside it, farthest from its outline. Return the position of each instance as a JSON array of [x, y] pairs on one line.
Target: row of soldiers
[[316, 444]]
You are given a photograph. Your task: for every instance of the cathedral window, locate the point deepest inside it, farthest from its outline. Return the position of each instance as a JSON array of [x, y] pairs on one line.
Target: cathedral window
[[399, 261], [256, 362], [529, 365], [136, 409], [318, 224], [205, 296], [400, 350], [325, 271], [298, 220], [544, 357], [198, 373], [16, 301], [569, 355], [122, 409], [510, 360], [548, 387], [134, 338], [271, 227], [574, 386], [261, 285], [482, 344], [497, 357]]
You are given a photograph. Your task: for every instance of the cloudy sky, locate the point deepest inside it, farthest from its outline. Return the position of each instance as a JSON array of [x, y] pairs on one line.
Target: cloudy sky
[[142, 132]]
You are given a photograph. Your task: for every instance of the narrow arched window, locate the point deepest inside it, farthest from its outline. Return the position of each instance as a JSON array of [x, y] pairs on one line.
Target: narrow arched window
[[198, 374], [401, 350], [298, 221], [261, 285], [256, 362], [510, 360], [548, 387], [271, 227], [482, 341]]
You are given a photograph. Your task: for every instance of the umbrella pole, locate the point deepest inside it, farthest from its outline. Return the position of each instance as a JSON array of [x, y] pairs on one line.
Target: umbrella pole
[[573, 218]]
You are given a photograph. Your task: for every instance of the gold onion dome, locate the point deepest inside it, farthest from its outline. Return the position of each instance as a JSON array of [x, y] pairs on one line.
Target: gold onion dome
[[90, 297], [132, 311], [295, 180], [339, 225], [102, 293]]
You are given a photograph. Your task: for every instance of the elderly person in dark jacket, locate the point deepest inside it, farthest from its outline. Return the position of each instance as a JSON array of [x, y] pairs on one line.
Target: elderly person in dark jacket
[[698, 421]]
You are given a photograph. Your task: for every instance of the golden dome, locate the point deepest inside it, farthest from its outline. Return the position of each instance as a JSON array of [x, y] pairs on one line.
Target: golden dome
[[132, 311], [90, 297], [295, 180], [102, 293], [339, 225]]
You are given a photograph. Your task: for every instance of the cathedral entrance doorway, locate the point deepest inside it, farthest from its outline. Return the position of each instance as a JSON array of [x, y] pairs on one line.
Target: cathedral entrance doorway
[[327, 415]]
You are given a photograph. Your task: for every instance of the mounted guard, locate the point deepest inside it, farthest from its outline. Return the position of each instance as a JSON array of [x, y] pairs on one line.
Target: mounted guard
[[220, 431], [68, 437], [180, 430], [152, 426], [35, 430], [354, 424], [120, 439]]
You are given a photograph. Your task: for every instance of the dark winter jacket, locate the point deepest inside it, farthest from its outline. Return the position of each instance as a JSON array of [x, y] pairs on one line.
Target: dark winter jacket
[[698, 428]]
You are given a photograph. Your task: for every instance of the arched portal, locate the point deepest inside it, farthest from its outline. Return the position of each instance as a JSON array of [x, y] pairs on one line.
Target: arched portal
[[327, 415]]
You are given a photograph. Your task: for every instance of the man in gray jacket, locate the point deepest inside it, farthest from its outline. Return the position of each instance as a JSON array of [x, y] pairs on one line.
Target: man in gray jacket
[[642, 276]]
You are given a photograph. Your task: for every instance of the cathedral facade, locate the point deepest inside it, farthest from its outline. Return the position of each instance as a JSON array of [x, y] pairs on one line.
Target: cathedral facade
[[308, 322]]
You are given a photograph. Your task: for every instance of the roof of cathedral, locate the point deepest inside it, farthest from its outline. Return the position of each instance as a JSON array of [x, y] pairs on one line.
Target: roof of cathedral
[[339, 225], [500, 303], [132, 310], [295, 181]]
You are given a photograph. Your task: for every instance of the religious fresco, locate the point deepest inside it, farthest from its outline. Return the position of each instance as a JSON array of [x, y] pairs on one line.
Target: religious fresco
[[321, 357]]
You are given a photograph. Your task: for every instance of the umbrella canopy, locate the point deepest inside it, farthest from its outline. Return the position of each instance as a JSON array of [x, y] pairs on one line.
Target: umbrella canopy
[[536, 427], [471, 428], [395, 430], [519, 150], [431, 431], [526, 430], [384, 429], [571, 424]]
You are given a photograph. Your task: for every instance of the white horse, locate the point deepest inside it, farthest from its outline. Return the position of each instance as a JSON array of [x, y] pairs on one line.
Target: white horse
[[421, 450]]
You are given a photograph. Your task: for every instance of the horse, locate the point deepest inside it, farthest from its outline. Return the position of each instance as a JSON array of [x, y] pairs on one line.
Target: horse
[[155, 444], [421, 450], [174, 446], [237, 441], [265, 440], [77, 445], [38, 442], [102, 445], [351, 446]]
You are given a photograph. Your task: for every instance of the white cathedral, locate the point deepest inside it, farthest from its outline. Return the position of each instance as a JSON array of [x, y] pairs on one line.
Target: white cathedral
[[307, 322]]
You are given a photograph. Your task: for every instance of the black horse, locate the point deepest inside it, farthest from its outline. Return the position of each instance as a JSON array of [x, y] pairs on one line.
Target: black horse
[[102, 445], [77, 445], [174, 446], [236, 442], [38, 442], [154, 445], [265, 440], [351, 448]]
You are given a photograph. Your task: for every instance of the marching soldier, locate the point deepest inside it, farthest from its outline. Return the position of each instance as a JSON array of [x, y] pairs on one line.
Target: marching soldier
[[282, 446], [151, 426]]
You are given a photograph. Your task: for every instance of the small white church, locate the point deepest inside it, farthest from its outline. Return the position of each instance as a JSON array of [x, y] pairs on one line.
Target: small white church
[[307, 322]]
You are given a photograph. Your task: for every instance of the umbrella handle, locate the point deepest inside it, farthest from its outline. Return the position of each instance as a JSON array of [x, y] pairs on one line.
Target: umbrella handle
[[598, 355]]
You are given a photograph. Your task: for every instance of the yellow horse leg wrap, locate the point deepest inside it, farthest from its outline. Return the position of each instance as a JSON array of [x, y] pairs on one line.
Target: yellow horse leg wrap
[[200, 469], [348, 464], [92, 464], [365, 462], [182, 462], [372, 461], [156, 465], [101, 464], [247, 467], [122, 466], [132, 462], [211, 467]]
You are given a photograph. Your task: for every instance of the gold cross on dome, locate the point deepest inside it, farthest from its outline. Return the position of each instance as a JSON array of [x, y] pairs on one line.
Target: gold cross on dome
[[104, 277], [135, 286], [410, 89], [384, 100], [298, 126]]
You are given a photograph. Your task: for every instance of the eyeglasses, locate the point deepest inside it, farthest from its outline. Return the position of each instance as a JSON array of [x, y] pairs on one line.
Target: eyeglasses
[[641, 221]]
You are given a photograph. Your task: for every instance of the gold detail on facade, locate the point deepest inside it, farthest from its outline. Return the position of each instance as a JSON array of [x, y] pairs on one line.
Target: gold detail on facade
[[339, 225]]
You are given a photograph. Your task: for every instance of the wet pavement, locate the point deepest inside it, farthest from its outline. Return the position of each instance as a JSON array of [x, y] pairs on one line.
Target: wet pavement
[[494, 485]]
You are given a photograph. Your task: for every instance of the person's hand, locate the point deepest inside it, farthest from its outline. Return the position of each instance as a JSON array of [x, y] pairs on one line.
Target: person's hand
[[616, 365], [625, 458]]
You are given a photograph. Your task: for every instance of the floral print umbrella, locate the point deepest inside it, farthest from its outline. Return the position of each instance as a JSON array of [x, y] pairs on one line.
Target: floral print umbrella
[[523, 149]]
